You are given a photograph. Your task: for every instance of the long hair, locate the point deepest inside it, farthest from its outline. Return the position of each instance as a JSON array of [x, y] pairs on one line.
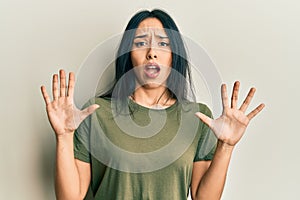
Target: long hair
[[177, 85]]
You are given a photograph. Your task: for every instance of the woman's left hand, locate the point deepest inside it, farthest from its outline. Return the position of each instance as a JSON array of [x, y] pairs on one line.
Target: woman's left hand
[[231, 125]]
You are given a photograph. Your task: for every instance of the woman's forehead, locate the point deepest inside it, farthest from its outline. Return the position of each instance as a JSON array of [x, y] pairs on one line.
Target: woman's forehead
[[151, 22], [148, 31], [150, 26]]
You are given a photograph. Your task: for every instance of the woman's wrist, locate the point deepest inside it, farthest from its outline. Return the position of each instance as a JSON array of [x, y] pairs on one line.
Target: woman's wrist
[[64, 137], [225, 147]]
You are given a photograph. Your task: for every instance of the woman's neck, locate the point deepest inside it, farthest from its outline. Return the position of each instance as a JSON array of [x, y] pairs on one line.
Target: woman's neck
[[153, 98]]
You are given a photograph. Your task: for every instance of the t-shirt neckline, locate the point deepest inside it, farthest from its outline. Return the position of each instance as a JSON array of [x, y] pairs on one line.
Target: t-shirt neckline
[[135, 104]]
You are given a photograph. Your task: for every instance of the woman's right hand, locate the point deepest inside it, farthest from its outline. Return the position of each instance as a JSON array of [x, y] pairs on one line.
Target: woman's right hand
[[63, 115]]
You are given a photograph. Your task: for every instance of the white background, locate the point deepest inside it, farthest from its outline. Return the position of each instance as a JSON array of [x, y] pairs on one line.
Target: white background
[[256, 42]]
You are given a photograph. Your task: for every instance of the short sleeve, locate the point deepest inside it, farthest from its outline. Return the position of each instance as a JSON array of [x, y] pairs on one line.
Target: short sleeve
[[80, 150], [207, 141], [82, 140]]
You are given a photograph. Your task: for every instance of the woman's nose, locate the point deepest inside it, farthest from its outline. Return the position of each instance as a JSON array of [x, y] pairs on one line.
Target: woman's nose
[[151, 54]]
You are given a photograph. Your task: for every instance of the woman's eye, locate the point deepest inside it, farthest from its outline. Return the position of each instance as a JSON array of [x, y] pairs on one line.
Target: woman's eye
[[140, 44], [164, 44]]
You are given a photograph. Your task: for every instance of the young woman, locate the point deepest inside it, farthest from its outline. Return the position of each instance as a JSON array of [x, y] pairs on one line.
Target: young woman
[[151, 81]]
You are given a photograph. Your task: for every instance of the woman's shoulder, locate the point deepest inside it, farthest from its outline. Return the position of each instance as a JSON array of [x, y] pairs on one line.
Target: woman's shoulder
[[101, 101], [201, 107], [204, 108]]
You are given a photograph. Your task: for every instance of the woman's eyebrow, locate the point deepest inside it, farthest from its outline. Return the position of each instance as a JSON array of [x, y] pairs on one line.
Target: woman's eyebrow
[[162, 36], [141, 36], [156, 35]]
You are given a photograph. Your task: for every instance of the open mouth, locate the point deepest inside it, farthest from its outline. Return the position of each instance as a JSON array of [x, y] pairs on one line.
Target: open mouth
[[152, 70]]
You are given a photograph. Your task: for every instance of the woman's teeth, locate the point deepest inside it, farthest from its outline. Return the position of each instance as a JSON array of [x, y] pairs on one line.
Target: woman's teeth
[[152, 71]]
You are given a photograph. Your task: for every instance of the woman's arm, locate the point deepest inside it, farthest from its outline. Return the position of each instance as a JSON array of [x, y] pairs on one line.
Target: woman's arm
[[209, 178], [72, 176]]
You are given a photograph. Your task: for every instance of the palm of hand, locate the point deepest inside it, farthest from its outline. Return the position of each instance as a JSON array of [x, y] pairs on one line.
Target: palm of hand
[[63, 115], [231, 125]]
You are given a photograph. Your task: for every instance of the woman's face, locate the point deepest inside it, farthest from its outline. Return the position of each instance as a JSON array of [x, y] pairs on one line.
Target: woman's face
[[151, 54]]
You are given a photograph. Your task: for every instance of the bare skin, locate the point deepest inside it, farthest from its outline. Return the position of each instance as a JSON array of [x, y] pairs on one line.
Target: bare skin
[[232, 124], [63, 114]]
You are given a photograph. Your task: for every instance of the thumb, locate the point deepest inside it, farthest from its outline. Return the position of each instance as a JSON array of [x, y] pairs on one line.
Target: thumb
[[89, 110], [207, 120]]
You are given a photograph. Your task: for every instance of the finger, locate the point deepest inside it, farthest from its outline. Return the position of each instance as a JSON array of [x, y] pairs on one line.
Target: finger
[[224, 96], [207, 120], [71, 84], [89, 110], [235, 94], [248, 99], [55, 87], [45, 95], [62, 83], [254, 112]]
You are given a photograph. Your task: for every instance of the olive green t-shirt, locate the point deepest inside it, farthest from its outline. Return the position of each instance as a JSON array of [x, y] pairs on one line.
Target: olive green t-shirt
[[142, 153]]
